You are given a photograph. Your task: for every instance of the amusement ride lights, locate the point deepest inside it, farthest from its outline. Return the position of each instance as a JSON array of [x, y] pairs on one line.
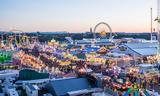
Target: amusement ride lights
[[102, 33]]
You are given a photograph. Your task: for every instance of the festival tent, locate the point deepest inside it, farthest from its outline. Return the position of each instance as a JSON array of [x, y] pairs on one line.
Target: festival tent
[[28, 74], [61, 87]]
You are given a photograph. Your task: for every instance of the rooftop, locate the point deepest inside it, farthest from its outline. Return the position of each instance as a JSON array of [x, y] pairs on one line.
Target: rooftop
[[62, 86], [31, 87], [141, 45], [146, 51]]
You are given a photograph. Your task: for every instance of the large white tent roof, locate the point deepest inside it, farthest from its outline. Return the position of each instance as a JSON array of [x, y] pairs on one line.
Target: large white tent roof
[[143, 48], [146, 51], [141, 45]]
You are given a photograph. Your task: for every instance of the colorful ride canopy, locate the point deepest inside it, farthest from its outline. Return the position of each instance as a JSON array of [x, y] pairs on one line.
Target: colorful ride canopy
[[5, 56]]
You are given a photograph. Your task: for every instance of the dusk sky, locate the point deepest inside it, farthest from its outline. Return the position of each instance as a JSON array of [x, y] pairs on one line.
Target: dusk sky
[[76, 15]]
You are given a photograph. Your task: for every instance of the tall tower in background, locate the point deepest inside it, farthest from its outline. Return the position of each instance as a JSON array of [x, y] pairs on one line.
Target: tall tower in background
[[91, 29], [151, 26]]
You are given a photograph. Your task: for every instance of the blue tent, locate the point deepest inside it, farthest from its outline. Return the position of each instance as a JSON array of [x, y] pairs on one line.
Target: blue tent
[[91, 49]]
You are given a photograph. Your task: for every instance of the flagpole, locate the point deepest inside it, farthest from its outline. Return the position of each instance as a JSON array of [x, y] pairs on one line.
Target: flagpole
[[151, 25]]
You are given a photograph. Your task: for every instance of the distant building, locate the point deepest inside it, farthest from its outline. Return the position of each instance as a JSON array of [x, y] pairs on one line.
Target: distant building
[[9, 89], [91, 30], [31, 90], [97, 42]]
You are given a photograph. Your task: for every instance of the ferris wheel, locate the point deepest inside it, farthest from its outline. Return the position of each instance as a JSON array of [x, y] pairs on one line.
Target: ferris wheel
[[22, 37], [102, 29]]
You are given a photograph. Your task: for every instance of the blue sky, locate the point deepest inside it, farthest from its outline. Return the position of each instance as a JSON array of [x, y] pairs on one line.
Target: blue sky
[[76, 15]]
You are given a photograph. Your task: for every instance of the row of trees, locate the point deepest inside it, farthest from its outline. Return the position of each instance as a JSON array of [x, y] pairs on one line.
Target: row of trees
[[43, 37], [79, 36]]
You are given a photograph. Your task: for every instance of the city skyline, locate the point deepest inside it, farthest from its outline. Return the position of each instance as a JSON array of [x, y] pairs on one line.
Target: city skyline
[[76, 15]]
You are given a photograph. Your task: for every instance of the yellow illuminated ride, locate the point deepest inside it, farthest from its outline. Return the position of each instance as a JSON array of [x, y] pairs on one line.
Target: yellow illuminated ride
[[103, 33], [53, 43], [24, 41]]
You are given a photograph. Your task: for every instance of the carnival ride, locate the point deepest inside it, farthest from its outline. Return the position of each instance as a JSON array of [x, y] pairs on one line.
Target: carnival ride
[[103, 31], [5, 56], [14, 34], [17, 38]]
